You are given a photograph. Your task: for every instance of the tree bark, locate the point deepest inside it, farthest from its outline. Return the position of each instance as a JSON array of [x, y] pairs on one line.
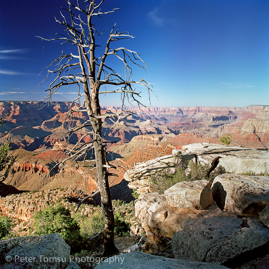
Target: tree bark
[[102, 175]]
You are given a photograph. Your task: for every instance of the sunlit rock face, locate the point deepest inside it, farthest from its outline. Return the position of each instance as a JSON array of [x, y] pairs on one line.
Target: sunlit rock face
[[158, 218], [233, 159], [194, 194]]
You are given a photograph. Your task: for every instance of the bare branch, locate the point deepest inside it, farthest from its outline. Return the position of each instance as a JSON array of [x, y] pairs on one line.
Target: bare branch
[[86, 198]]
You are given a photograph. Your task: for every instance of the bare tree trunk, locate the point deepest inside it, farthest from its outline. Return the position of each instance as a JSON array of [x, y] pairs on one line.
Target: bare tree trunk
[[102, 175]]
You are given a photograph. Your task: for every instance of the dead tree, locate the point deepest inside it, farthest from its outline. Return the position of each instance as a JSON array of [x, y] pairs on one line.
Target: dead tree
[[85, 68]]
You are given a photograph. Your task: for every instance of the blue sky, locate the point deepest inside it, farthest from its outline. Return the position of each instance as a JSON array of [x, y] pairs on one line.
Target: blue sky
[[199, 52]]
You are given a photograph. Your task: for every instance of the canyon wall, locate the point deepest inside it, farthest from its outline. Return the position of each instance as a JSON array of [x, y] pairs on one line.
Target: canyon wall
[[33, 125]]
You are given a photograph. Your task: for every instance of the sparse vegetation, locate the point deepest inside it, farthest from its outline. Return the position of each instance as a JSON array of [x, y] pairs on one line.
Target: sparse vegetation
[[226, 139], [92, 225], [78, 228], [163, 181], [5, 226]]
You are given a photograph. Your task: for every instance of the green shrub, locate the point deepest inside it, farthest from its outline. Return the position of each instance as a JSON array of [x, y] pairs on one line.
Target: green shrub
[[58, 220], [135, 194], [92, 225], [226, 139], [163, 181], [6, 160], [122, 227], [5, 226]]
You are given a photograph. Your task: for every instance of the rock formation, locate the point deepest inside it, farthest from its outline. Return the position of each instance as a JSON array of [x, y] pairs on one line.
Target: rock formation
[[192, 195], [158, 218], [233, 229], [223, 239], [139, 177], [232, 159], [243, 195]]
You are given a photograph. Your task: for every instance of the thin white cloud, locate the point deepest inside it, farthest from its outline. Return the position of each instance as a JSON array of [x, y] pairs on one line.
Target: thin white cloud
[[8, 93], [12, 51], [155, 17], [13, 73], [8, 54]]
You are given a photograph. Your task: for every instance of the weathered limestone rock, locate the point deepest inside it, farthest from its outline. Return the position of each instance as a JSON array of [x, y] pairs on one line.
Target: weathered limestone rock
[[233, 159], [139, 177], [190, 194], [244, 195], [140, 260], [159, 219], [46, 251], [223, 239], [264, 216]]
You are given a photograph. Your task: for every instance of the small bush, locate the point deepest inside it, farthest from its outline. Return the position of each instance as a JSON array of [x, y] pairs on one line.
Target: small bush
[[58, 220], [122, 227], [226, 139], [135, 194], [5, 226], [92, 225]]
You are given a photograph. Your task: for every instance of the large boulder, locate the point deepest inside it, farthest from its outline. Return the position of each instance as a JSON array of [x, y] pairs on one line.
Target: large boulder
[[158, 218], [244, 195], [233, 159], [140, 260], [46, 251], [190, 194], [222, 238]]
